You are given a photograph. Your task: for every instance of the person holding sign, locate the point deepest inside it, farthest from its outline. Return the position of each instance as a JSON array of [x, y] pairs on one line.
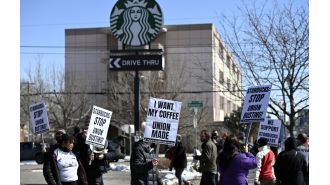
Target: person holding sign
[[265, 161], [96, 160], [143, 165], [234, 164]]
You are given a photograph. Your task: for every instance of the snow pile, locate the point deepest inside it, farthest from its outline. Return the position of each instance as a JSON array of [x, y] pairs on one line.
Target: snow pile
[[122, 168], [189, 173]]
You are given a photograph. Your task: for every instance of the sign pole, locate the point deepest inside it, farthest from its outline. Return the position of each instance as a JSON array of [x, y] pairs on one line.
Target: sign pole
[[157, 150], [136, 102], [195, 125], [248, 134]]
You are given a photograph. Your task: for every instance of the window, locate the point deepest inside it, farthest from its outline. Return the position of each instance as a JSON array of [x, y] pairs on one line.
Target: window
[[228, 84], [221, 77], [221, 52], [228, 61], [222, 103]]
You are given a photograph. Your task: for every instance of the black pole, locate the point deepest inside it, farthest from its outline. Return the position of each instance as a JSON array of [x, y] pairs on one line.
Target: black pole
[[136, 102]]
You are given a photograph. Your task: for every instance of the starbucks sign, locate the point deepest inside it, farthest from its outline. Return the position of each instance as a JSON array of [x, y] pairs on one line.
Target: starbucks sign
[[136, 22]]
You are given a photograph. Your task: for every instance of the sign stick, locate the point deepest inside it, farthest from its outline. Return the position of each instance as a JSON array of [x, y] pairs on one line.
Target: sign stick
[[248, 134], [157, 150], [92, 148]]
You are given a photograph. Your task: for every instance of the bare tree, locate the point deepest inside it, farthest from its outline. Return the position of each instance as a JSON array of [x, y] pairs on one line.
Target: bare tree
[[272, 47], [65, 107]]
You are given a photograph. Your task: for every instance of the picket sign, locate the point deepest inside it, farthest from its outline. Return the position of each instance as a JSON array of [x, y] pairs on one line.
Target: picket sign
[[255, 105], [270, 129], [98, 127], [162, 121], [39, 118]]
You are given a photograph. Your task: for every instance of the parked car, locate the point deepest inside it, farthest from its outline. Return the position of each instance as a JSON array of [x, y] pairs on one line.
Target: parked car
[[33, 151]]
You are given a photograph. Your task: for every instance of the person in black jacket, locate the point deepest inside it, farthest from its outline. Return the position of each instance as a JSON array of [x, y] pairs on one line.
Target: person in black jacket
[[179, 159], [143, 165], [64, 166], [290, 166], [48, 159], [95, 160]]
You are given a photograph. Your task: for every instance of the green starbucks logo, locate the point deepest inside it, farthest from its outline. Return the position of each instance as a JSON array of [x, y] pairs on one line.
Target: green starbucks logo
[[136, 22]]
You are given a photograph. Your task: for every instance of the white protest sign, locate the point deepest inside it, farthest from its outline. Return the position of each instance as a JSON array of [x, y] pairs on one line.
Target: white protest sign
[[39, 118], [162, 121], [256, 103], [270, 129], [98, 126]]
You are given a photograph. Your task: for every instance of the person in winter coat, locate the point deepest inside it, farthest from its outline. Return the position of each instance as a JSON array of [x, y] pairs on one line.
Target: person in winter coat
[[303, 147], [207, 160], [143, 165], [234, 163], [95, 160], [48, 157], [65, 168], [265, 161], [290, 166], [179, 159]]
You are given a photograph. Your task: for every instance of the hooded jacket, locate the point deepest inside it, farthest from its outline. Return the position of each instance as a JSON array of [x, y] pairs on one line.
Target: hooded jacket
[[290, 166]]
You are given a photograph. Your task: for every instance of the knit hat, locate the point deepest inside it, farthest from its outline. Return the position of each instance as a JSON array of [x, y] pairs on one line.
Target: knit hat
[[262, 142]]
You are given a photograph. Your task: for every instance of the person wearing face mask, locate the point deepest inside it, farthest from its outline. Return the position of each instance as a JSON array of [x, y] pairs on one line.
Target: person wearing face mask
[[66, 168], [265, 161]]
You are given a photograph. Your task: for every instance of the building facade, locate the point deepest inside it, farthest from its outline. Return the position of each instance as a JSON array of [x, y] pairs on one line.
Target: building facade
[[198, 67]]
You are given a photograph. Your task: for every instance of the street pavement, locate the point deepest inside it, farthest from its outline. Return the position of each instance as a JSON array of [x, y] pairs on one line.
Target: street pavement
[[31, 174]]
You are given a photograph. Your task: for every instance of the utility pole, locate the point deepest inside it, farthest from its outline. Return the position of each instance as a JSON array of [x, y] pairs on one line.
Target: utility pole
[[28, 96]]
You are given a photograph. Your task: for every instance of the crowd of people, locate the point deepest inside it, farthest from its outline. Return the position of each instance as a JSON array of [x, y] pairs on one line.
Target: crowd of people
[[224, 160]]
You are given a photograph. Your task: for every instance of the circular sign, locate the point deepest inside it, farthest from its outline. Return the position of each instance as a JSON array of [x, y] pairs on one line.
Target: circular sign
[[136, 22]]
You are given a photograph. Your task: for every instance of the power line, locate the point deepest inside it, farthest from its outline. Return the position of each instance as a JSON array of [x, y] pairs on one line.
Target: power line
[[142, 92]]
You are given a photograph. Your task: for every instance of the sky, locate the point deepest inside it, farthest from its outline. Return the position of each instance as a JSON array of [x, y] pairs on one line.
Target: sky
[[30, 23], [42, 23]]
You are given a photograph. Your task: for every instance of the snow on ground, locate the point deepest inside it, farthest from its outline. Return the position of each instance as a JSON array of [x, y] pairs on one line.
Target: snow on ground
[[167, 176], [28, 162]]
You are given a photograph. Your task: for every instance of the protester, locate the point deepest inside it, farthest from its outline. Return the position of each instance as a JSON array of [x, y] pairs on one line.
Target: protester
[[95, 160], [254, 150], [65, 168], [215, 139], [116, 147], [265, 161], [207, 160], [179, 159], [303, 147], [143, 165], [48, 157], [290, 166], [235, 163]]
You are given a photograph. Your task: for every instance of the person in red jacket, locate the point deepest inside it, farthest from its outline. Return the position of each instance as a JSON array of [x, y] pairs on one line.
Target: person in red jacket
[[265, 161]]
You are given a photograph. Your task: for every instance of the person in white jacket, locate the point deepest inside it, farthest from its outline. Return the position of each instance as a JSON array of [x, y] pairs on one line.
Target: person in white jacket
[[265, 161]]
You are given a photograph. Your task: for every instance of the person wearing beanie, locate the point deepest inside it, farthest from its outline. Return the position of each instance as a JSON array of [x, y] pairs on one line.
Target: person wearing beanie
[[290, 166], [265, 161]]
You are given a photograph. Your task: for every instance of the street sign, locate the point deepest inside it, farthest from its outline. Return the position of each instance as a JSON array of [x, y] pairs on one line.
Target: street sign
[[195, 104], [136, 63]]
